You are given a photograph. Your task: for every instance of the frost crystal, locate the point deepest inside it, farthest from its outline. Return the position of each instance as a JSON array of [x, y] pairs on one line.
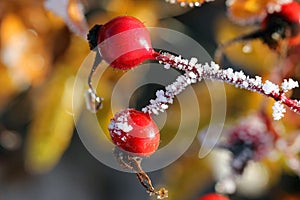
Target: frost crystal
[[193, 61], [120, 124], [167, 66], [166, 97], [245, 84], [278, 110], [289, 84], [192, 75], [124, 126], [269, 87]]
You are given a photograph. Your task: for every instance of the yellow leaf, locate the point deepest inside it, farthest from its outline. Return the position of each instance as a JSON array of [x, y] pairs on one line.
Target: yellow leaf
[[53, 124]]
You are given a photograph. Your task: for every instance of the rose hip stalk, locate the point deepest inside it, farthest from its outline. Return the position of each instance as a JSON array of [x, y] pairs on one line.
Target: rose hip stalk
[[133, 162]]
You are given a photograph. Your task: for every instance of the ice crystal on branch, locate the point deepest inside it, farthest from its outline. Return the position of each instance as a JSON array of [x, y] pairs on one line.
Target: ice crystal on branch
[[289, 85], [278, 110], [269, 87], [163, 98]]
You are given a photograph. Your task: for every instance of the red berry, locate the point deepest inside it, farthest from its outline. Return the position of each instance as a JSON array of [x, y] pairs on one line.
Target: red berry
[[123, 42], [291, 12], [135, 132], [213, 196]]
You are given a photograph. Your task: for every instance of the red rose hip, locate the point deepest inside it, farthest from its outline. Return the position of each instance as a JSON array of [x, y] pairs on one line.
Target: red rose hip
[[134, 132], [277, 27], [123, 42], [290, 11], [213, 196], [284, 24]]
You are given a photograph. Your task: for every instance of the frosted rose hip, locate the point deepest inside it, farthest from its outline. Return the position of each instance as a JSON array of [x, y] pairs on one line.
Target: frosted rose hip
[[135, 132]]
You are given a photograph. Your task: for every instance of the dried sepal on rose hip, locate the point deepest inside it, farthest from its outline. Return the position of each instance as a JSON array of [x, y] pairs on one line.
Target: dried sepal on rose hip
[[135, 132], [213, 196]]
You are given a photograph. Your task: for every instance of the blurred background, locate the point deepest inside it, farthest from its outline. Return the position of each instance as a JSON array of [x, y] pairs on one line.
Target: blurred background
[[42, 45]]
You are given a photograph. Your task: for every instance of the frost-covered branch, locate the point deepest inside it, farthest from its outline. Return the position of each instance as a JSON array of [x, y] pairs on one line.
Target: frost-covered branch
[[163, 98], [195, 72]]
